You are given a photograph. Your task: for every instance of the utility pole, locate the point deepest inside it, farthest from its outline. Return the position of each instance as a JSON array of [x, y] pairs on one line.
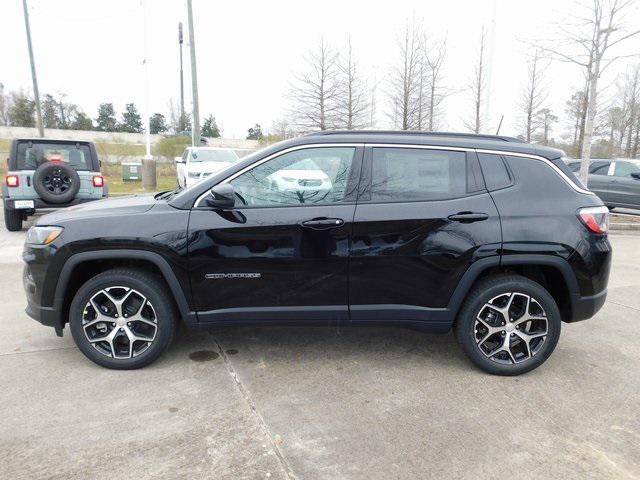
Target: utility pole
[[36, 94], [194, 79], [180, 42], [148, 162]]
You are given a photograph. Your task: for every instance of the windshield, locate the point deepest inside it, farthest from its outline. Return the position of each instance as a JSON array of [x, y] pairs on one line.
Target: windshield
[[227, 156], [31, 155]]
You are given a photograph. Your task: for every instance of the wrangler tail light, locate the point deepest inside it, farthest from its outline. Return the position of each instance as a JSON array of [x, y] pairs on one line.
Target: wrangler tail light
[[98, 181], [596, 219], [12, 180]]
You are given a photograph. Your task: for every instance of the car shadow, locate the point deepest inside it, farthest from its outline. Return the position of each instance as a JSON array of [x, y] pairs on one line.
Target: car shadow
[[285, 344]]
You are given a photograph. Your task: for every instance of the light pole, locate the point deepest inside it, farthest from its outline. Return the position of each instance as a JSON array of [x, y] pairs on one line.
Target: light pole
[[148, 162], [36, 94], [180, 42], [194, 79]]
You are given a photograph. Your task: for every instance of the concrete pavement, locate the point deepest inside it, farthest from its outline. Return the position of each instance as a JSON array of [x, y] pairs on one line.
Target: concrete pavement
[[316, 403]]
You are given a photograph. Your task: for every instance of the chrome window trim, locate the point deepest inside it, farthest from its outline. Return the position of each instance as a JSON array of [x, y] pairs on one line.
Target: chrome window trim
[[548, 162]]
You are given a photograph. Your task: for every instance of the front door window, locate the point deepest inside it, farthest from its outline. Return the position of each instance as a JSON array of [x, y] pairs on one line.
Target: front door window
[[312, 176]]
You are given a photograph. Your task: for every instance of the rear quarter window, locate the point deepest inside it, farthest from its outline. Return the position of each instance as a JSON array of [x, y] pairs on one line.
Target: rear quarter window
[[496, 174], [30, 155]]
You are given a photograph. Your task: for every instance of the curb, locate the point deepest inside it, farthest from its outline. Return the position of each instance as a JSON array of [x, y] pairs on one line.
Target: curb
[[624, 227]]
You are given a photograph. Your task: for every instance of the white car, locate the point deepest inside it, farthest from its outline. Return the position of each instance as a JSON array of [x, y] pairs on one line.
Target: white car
[[198, 163], [303, 177]]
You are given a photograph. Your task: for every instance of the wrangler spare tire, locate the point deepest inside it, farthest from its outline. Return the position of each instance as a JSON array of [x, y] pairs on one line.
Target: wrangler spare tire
[[56, 182]]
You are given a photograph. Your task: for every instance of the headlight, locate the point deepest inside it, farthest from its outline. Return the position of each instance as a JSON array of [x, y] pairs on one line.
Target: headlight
[[288, 179], [194, 175], [43, 235]]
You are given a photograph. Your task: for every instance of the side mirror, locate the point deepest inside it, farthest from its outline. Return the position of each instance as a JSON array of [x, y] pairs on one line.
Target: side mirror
[[222, 196], [178, 159], [635, 175]]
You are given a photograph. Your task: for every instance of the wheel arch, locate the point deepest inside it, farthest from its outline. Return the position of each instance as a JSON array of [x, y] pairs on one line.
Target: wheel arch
[[81, 266], [553, 273]]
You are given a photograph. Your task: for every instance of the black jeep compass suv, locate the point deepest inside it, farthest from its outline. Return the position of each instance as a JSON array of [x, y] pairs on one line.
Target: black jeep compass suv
[[487, 235]]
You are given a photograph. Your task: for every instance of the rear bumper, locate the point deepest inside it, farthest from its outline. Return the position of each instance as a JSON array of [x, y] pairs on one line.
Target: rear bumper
[[9, 203], [586, 307]]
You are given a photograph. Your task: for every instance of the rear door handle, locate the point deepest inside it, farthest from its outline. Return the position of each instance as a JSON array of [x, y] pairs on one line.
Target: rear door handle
[[323, 223], [468, 217]]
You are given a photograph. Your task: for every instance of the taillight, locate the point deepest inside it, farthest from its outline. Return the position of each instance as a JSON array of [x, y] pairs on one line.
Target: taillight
[[98, 181], [596, 219], [12, 180]]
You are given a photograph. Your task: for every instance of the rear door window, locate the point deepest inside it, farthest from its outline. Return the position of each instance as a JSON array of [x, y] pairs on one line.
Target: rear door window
[[599, 168], [414, 174], [31, 155]]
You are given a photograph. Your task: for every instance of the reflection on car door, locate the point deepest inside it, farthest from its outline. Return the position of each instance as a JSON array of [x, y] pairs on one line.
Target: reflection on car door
[[625, 189], [282, 252], [418, 226]]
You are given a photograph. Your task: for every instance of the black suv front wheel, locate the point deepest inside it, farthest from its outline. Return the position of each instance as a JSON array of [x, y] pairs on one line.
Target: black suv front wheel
[[508, 325], [122, 319]]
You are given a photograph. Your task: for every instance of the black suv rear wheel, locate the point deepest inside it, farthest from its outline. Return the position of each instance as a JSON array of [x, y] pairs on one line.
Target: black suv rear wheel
[[508, 325], [122, 319]]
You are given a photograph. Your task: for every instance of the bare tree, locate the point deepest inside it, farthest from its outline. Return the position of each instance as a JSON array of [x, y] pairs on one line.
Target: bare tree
[[4, 106], [352, 102], [434, 58], [405, 79], [314, 93], [478, 88], [545, 119], [589, 44], [629, 95], [533, 97]]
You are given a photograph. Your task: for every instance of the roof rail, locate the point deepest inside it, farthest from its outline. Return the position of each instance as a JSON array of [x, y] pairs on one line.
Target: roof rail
[[416, 133]]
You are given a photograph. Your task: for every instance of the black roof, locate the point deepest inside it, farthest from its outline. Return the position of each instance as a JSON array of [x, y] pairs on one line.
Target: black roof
[[446, 139], [49, 140]]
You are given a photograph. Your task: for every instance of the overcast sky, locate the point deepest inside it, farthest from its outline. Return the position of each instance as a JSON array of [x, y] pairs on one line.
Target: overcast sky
[[247, 51]]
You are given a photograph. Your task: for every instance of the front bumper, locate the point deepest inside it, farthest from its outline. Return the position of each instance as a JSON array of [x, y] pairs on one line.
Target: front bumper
[[40, 304]]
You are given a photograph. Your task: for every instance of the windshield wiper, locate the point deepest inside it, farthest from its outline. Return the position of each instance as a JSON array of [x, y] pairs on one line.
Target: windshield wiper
[[168, 194]]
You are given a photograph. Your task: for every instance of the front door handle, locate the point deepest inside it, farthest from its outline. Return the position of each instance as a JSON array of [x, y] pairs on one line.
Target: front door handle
[[323, 223], [468, 217]]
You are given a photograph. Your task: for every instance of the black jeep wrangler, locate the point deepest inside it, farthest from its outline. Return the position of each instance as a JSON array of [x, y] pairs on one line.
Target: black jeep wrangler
[[45, 173], [489, 236]]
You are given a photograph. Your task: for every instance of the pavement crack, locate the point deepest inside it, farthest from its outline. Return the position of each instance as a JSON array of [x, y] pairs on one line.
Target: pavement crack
[[623, 305], [7, 354], [286, 468]]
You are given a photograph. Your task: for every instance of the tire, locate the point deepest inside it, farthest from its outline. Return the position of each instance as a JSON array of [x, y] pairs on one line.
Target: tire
[[128, 286], [56, 182], [483, 332], [12, 219]]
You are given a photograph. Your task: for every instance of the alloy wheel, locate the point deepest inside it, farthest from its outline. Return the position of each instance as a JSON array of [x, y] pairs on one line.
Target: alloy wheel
[[511, 328], [119, 322], [58, 182]]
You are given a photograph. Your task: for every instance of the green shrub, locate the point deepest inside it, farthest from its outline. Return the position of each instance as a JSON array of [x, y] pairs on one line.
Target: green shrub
[[171, 147]]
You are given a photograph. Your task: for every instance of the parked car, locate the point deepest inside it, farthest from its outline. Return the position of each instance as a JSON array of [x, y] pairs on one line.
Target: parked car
[[198, 163], [615, 181], [45, 173], [488, 235]]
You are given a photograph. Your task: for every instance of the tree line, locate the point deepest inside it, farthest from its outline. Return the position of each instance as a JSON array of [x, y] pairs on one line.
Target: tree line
[[17, 108]]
